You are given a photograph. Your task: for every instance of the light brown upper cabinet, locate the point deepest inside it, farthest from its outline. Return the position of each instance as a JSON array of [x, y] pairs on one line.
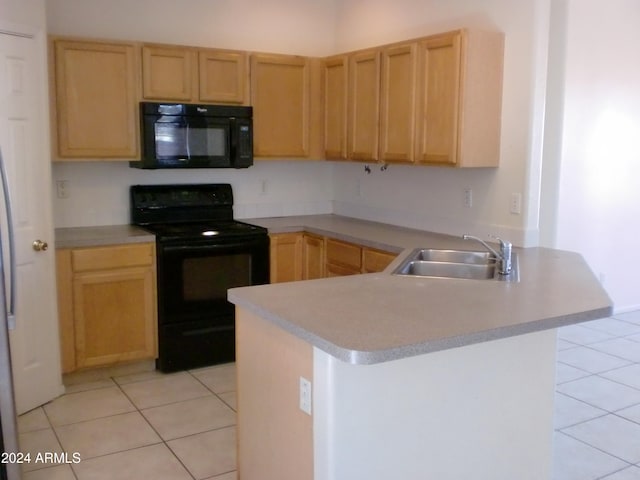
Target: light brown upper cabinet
[[285, 95], [96, 99], [434, 100], [336, 70], [380, 88], [224, 76], [364, 102], [167, 73], [397, 102], [185, 74], [460, 99]]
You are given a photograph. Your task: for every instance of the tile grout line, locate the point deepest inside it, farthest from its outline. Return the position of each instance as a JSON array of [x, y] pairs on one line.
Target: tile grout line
[[593, 347], [628, 464], [166, 442], [162, 440], [140, 411], [214, 393], [73, 472], [590, 374], [613, 473]]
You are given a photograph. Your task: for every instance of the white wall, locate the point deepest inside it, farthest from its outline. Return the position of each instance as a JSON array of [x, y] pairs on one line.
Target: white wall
[[25, 12], [433, 197], [287, 26], [598, 196], [98, 191]]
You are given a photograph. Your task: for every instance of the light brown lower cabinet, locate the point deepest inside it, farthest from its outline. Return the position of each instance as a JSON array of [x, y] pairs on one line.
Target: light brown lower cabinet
[[374, 261], [107, 305], [343, 258], [285, 257], [312, 256], [305, 256]]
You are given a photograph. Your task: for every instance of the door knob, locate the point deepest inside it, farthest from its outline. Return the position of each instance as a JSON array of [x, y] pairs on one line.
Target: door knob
[[39, 245]]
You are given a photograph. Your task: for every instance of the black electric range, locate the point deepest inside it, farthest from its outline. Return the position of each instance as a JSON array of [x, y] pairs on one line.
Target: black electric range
[[201, 252]]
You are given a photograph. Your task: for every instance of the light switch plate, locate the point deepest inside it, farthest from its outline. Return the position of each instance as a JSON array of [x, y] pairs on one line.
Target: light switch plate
[[305, 395]]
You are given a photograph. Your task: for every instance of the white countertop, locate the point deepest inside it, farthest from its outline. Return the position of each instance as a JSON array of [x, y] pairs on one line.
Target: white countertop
[[373, 318]]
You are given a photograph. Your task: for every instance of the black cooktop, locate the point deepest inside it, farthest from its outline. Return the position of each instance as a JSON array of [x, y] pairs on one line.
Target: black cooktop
[[204, 230], [188, 212]]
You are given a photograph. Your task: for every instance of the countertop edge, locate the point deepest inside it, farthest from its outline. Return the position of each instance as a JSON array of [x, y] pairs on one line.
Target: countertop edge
[[403, 240], [359, 357]]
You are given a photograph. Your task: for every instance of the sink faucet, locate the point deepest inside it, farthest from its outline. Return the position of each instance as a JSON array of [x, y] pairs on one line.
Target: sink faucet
[[504, 257]]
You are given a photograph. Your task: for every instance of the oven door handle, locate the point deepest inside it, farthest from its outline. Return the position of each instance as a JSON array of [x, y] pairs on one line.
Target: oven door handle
[[237, 245]]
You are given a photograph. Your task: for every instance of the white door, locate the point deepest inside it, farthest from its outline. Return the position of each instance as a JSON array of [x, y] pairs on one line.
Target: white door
[[24, 140]]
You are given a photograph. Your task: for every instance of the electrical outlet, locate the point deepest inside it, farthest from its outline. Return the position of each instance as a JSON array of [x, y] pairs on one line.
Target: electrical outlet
[[468, 198], [515, 205], [62, 188], [264, 187], [305, 395]]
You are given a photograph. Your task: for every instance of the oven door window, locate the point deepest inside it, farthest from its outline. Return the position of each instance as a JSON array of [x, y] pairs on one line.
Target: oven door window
[[208, 279], [199, 141], [193, 280]]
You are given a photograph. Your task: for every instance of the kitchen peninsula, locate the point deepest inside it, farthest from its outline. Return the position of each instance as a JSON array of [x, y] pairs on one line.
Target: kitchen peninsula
[[409, 378]]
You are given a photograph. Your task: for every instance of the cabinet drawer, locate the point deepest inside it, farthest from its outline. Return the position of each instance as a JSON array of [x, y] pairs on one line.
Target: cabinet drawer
[[104, 258], [376, 260], [343, 253], [340, 271]]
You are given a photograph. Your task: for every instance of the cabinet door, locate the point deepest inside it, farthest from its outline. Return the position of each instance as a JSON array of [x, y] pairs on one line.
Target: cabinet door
[[312, 257], [397, 103], [167, 73], [114, 314], [342, 258], [280, 98], [363, 97], [286, 257], [223, 76], [439, 97], [96, 99], [374, 261], [335, 107]]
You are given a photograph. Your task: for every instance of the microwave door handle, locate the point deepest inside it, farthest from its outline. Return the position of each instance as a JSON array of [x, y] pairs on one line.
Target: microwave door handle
[[188, 140], [11, 314]]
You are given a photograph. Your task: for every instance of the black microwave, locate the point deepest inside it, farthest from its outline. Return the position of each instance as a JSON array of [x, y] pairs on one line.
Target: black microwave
[[176, 135]]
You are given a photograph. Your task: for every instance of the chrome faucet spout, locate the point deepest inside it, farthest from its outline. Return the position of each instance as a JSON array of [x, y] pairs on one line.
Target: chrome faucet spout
[[504, 257]]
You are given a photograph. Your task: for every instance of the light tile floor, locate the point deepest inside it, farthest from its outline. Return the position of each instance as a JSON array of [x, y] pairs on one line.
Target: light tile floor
[[597, 412], [182, 426], [143, 426]]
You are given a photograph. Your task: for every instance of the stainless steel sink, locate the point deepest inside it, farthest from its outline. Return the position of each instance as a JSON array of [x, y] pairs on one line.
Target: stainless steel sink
[[454, 256], [429, 262], [450, 270]]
